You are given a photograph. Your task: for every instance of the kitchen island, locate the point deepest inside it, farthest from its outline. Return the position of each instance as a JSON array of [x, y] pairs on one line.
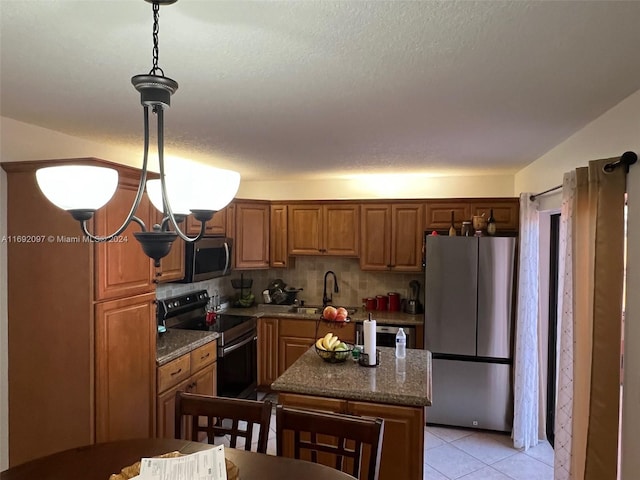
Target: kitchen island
[[396, 390]]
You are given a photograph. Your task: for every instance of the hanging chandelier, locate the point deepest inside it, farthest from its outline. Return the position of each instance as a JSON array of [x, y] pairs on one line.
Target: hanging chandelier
[[82, 189]]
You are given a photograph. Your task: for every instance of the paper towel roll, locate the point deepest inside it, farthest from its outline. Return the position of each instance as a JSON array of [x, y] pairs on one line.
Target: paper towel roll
[[369, 327]]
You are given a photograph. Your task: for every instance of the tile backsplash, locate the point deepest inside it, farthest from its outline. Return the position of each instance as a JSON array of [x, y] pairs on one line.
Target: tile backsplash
[[308, 274]]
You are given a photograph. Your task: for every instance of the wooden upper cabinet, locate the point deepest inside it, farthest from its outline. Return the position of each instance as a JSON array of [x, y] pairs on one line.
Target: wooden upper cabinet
[[375, 228], [438, 215], [278, 254], [505, 211], [216, 226], [252, 235], [125, 344], [171, 266], [122, 269], [392, 237], [324, 229], [407, 230]]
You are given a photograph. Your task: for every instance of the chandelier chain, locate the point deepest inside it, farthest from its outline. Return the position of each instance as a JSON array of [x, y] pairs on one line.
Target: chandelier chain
[[156, 30]]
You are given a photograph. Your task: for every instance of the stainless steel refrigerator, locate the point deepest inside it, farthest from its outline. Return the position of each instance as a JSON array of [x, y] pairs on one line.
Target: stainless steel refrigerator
[[469, 289]]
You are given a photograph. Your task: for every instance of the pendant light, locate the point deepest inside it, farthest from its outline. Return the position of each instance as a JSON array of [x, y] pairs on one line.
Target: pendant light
[[82, 189]]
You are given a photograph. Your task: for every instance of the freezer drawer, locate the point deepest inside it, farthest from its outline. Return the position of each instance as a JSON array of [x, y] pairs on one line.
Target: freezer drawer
[[471, 394]]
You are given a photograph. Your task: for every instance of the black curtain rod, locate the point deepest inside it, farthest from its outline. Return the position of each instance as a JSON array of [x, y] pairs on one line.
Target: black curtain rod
[[626, 159], [552, 189]]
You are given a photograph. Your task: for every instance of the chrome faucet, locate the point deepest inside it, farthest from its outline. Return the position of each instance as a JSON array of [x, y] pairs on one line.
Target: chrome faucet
[[325, 299]]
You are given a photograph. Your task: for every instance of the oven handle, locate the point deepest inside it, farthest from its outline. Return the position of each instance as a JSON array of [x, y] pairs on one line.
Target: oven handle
[[226, 350]]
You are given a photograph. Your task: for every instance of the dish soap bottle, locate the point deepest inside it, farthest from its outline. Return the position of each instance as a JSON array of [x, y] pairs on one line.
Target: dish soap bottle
[[491, 224], [401, 344], [452, 228]]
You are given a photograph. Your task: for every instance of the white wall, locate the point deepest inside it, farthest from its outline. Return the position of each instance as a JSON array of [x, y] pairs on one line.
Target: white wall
[[610, 135]]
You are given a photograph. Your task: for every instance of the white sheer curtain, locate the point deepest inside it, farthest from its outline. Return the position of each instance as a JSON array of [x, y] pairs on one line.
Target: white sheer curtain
[[564, 403], [526, 395]]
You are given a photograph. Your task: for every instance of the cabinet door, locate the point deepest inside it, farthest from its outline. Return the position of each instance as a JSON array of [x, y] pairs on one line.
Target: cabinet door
[[407, 231], [304, 226], [375, 228], [505, 211], [171, 266], [341, 230], [278, 254], [167, 409], [216, 226], [438, 215], [125, 349], [122, 269], [252, 236], [204, 381], [290, 349], [403, 438], [267, 351], [231, 228]]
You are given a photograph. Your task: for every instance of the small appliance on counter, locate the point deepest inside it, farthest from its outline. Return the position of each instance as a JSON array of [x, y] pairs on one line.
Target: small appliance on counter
[[412, 305]]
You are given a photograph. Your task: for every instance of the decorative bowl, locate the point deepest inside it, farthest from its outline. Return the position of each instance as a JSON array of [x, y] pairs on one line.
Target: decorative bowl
[[333, 356]]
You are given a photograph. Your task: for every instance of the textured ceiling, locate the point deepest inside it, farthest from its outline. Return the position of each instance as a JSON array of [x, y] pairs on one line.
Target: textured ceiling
[[321, 88]]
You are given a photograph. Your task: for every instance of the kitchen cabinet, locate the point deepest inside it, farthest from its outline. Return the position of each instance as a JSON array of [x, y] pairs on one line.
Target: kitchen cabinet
[[251, 243], [324, 229], [267, 351], [438, 215], [392, 237], [172, 266], [403, 438], [505, 212], [121, 268], [193, 372], [278, 252], [216, 226], [99, 297], [295, 336], [125, 331]]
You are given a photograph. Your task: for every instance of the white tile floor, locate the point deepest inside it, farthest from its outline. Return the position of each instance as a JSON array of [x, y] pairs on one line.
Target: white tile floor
[[471, 455]]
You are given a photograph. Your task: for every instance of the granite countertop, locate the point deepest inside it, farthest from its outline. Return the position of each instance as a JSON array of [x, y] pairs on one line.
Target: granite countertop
[[310, 375], [175, 343], [386, 318]]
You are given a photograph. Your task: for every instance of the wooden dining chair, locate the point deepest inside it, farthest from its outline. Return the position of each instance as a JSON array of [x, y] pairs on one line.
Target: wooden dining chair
[[342, 440], [218, 416]]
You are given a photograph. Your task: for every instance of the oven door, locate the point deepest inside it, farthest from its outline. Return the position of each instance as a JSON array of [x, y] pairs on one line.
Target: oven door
[[237, 367]]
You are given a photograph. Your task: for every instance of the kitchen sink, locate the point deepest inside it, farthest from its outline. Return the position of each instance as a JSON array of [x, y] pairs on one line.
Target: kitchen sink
[[307, 310], [311, 310]]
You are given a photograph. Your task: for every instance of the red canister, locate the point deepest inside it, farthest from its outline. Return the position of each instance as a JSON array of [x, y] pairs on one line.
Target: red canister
[[394, 301], [369, 303], [381, 302]]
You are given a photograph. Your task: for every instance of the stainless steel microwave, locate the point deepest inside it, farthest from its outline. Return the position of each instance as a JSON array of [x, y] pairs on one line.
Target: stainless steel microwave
[[209, 257]]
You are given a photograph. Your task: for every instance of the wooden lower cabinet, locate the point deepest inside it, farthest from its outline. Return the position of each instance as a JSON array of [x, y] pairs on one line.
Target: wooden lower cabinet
[[125, 384], [194, 372], [403, 440], [267, 351], [295, 336]]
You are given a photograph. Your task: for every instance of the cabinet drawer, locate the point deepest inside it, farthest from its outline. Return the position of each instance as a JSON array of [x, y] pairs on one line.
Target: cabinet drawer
[[308, 402], [173, 372], [203, 356]]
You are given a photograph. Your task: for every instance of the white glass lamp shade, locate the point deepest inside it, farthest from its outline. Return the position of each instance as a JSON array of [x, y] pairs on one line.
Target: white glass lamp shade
[[203, 188], [77, 187]]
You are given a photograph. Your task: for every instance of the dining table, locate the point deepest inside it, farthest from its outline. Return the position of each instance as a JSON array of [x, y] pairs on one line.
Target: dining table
[[100, 460]]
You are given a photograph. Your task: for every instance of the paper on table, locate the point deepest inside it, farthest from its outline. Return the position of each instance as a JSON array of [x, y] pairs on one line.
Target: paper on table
[[369, 327], [205, 465]]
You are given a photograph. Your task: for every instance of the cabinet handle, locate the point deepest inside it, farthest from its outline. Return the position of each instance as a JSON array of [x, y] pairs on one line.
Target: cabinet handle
[[176, 372], [205, 356]]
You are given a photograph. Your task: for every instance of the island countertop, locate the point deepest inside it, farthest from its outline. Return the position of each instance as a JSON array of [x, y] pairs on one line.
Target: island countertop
[[386, 383]]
